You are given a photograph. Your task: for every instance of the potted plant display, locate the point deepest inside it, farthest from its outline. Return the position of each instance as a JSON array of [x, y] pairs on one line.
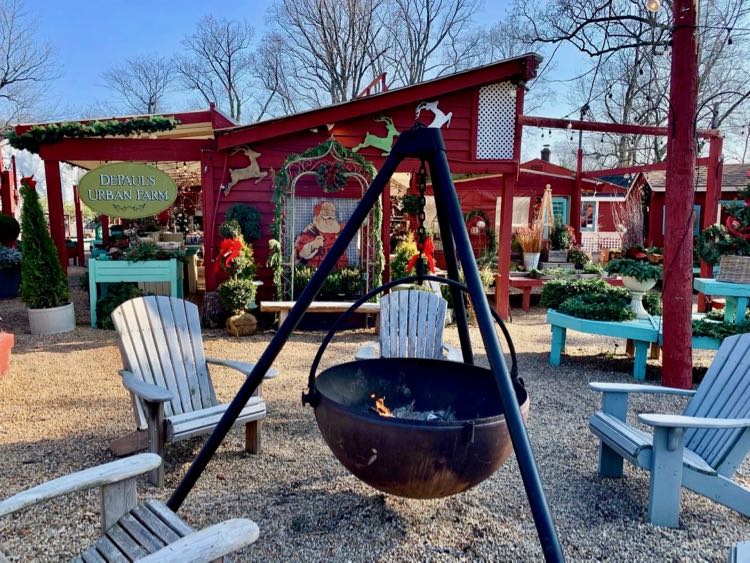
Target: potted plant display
[[44, 287], [235, 295], [10, 272], [578, 257], [638, 277], [530, 240], [560, 241]]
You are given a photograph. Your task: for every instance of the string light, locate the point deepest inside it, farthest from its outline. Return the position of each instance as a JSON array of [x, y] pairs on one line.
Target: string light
[[653, 6]]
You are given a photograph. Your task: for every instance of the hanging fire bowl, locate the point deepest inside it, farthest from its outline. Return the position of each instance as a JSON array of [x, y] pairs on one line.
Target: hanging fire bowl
[[447, 430], [415, 458]]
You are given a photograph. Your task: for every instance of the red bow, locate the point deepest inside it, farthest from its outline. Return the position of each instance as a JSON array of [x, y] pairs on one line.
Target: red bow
[[29, 181], [229, 249], [734, 228], [427, 251]]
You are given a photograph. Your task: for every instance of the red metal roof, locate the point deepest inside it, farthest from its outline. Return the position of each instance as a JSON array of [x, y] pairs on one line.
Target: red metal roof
[[521, 68]]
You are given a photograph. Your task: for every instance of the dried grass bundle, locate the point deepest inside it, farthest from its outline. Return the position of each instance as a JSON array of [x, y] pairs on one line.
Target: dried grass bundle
[[628, 218], [530, 238]]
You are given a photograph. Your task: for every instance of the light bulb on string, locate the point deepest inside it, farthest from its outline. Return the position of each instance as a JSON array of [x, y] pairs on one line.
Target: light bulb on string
[[653, 5], [729, 36]]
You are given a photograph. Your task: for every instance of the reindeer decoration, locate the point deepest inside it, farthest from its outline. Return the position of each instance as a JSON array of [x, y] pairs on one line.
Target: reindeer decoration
[[382, 143], [249, 172], [440, 117]]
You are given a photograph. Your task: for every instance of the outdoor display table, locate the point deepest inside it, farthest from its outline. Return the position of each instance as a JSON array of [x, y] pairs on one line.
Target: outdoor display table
[[115, 271], [642, 332], [737, 296]]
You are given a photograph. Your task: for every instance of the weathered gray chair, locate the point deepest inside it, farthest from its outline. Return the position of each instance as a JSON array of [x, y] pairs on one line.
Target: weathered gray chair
[[740, 553], [700, 449], [411, 326], [148, 532], [166, 372]]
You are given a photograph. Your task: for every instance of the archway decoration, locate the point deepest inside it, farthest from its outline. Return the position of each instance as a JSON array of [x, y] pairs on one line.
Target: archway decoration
[[332, 168]]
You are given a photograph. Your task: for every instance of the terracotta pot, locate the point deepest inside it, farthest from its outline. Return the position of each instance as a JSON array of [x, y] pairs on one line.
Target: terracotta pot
[[6, 345], [242, 324]]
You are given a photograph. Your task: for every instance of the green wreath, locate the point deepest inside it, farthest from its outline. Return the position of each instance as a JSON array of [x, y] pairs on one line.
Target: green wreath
[[712, 243], [331, 177]]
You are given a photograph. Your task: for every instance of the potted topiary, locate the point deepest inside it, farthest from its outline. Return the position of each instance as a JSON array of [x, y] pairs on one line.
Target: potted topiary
[[638, 277], [10, 272], [235, 295], [44, 288]]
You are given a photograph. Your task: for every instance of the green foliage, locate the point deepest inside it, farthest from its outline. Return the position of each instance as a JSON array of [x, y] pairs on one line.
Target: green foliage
[[403, 253], [593, 269], [554, 292], [10, 258], [598, 307], [652, 303], [715, 241], [117, 294], [248, 218], [43, 283], [487, 275], [641, 271], [9, 228], [230, 228], [145, 251], [559, 236], [712, 329], [410, 205], [330, 176], [578, 257], [346, 283], [236, 293], [40, 135]]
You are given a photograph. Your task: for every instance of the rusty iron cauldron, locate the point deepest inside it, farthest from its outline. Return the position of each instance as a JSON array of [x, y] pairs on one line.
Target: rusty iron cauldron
[[414, 458]]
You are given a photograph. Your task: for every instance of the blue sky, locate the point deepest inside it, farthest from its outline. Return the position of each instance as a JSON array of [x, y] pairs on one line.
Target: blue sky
[[90, 36]]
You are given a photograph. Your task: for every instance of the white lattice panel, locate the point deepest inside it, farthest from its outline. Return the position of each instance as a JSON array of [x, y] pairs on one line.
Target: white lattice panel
[[590, 242], [610, 241], [496, 121]]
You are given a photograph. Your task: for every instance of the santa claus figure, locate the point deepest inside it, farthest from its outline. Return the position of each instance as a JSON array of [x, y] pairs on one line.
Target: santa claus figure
[[317, 238]]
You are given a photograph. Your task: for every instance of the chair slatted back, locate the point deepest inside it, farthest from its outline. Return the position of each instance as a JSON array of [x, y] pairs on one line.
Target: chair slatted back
[[411, 324], [160, 343], [723, 393]]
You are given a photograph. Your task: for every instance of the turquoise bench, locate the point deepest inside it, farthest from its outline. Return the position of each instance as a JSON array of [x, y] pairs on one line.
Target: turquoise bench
[[643, 333]]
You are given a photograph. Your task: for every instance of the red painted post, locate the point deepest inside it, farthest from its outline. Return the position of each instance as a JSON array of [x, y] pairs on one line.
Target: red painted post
[[208, 191], [79, 227], [502, 289], [677, 366], [575, 203], [55, 208], [713, 196]]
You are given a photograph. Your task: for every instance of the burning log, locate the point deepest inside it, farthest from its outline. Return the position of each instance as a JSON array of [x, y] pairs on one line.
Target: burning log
[[409, 413]]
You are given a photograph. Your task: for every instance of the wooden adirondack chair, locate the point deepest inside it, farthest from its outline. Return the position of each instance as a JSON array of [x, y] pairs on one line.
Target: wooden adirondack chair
[[700, 449], [167, 375], [740, 553], [148, 532], [411, 326]]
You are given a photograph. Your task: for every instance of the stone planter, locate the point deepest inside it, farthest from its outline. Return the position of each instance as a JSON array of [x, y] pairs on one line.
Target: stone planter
[[637, 289], [557, 256], [52, 321], [242, 324], [531, 260], [10, 282]]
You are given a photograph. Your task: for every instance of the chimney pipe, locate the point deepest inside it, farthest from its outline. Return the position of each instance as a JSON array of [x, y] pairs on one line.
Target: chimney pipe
[[546, 152]]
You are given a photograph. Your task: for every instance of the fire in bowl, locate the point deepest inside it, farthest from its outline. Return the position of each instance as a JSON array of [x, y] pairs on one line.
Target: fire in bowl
[[411, 427]]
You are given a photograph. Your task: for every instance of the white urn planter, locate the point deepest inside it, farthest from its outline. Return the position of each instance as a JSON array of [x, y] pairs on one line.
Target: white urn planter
[[531, 260], [637, 289], [52, 321]]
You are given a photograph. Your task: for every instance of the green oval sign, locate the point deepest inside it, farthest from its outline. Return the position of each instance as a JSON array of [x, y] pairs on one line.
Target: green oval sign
[[127, 189]]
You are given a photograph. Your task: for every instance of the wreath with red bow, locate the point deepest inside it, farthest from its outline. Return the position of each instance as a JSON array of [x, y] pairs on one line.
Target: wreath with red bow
[[331, 176]]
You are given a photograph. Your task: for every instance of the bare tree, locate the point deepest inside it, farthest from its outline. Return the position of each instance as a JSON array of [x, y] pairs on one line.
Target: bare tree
[[142, 82], [429, 38], [218, 65], [25, 64], [330, 45]]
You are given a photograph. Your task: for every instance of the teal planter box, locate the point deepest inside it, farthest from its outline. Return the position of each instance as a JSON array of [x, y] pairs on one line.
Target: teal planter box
[[116, 271]]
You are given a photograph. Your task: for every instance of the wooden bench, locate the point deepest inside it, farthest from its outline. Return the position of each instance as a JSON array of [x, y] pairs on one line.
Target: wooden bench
[[283, 308]]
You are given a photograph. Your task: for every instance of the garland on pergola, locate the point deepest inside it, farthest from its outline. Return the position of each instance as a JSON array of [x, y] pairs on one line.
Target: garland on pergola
[[40, 135], [330, 177]]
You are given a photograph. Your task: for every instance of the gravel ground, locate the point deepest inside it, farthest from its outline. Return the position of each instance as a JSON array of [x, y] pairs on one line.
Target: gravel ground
[[62, 403]]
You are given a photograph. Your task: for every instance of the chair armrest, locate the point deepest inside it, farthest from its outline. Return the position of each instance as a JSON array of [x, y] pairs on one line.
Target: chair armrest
[[629, 388], [680, 421], [145, 391], [452, 354], [208, 544], [368, 351], [243, 367], [98, 476]]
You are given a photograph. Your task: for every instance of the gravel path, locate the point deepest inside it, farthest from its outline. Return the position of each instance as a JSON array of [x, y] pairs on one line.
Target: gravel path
[[62, 403]]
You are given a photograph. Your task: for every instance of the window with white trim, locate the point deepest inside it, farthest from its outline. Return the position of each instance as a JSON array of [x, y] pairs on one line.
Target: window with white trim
[[589, 215]]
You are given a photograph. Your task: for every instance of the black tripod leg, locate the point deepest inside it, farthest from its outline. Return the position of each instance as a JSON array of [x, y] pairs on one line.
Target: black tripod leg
[[285, 330], [442, 183]]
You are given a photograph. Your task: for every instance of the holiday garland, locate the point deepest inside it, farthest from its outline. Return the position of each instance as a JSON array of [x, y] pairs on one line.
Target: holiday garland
[[40, 135], [283, 182]]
